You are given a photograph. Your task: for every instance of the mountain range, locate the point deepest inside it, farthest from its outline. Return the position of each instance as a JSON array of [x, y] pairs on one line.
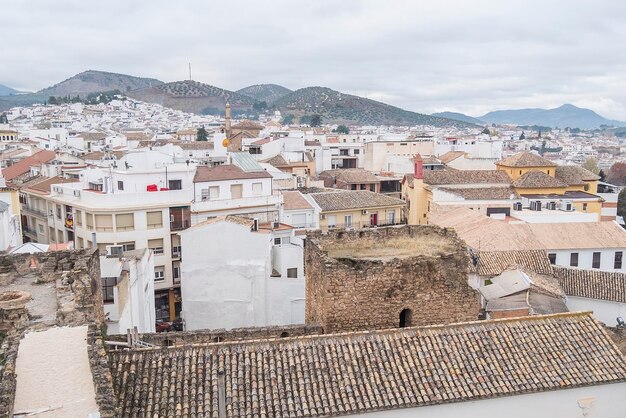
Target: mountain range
[[333, 106], [7, 91], [563, 116]]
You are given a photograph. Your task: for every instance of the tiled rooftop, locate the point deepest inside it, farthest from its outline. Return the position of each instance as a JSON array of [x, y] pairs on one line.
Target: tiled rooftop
[[592, 284], [526, 159], [339, 374], [537, 180], [353, 199]]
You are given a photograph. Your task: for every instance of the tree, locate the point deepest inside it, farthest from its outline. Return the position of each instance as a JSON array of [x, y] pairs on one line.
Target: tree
[[4, 118], [621, 203], [52, 100], [316, 120], [486, 131], [288, 119], [617, 174], [342, 129], [592, 165], [522, 136], [202, 134], [602, 175]]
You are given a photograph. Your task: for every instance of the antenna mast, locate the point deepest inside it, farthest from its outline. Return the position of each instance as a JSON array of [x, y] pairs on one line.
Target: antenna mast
[[189, 71]]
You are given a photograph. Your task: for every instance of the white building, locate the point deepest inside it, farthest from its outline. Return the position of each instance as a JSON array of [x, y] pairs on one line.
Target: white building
[[10, 229], [239, 275], [128, 291]]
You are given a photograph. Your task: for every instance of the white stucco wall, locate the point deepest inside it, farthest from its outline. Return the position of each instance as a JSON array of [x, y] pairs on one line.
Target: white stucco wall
[[605, 401], [226, 283], [585, 258], [604, 310]]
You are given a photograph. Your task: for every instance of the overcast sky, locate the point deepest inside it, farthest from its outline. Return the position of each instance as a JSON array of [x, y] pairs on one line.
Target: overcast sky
[[466, 56]]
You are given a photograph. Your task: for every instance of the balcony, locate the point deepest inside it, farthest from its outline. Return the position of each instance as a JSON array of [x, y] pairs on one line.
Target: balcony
[[34, 211], [29, 231], [177, 252]]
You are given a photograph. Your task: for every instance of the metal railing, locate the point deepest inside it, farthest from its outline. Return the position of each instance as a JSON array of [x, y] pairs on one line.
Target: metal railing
[[180, 225], [34, 211]]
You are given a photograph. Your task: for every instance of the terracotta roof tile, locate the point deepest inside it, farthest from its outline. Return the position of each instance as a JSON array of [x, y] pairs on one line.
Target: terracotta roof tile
[[592, 284], [495, 262], [574, 175], [352, 373], [45, 186], [441, 177], [537, 180], [23, 166], [353, 199], [451, 156], [526, 159], [226, 172], [293, 200], [351, 175], [482, 193]]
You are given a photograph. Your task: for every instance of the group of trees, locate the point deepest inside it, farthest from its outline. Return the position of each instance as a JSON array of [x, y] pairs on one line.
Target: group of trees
[[4, 118], [342, 129], [92, 98], [202, 134]]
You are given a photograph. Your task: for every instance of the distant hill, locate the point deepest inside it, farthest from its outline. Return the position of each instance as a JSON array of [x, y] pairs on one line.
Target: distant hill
[[265, 92], [336, 107], [564, 116], [98, 81], [459, 116], [193, 96], [7, 91]]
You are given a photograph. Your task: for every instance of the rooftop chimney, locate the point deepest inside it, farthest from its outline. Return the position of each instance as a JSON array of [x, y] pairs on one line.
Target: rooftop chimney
[[418, 167]]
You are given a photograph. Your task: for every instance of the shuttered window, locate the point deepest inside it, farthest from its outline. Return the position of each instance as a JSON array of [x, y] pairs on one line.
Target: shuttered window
[[155, 220], [236, 191], [89, 220], [156, 245], [79, 218], [125, 222], [104, 223], [257, 189]]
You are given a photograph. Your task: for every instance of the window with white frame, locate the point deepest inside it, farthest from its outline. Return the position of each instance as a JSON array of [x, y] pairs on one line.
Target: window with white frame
[[348, 221], [391, 217], [156, 245], [257, 189], [159, 273]]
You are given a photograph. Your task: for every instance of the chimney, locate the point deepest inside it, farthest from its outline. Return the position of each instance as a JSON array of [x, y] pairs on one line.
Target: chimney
[[418, 167]]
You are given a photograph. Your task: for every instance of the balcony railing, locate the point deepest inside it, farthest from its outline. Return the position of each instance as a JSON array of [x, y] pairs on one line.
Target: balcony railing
[[28, 230], [177, 251], [34, 211]]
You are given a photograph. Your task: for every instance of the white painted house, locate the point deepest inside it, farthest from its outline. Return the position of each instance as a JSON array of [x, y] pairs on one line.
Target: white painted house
[[128, 291], [237, 274]]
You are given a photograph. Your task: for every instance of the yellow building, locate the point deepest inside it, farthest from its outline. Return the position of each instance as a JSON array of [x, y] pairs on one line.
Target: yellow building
[[538, 179], [357, 209]]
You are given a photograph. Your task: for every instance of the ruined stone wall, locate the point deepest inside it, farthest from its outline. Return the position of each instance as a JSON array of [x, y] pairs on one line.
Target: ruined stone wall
[[165, 339], [102, 379], [76, 275], [8, 378], [349, 294]]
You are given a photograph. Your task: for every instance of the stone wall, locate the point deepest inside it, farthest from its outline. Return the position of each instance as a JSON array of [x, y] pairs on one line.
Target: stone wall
[[165, 339], [349, 294], [102, 380], [8, 378]]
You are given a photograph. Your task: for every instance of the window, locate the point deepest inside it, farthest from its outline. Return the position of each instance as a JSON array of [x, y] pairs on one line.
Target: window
[[353, 186], [104, 223], [176, 272], [332, 221], [292, 273], [78, 218], [552, 258], [89, 220], [596, 260], [127, 246], [212, 192], [356, 152], [236, 191], [276, 241], [363, 187], [584, 207], [159, 273], [257, 189], [58, 211], [175, 184], [108, 284], [617, 262], [125, 222], [120, 185], [406, 318], [156, 245], [80, 243], [348, 221], [40, 228], [573, 260], [155, 219], [372, 187], [391, 217]]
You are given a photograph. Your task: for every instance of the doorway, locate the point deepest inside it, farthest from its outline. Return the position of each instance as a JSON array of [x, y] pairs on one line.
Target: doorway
[[406, 318]]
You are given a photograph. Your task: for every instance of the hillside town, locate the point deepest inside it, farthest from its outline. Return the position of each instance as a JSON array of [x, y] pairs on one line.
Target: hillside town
[[209, 230]]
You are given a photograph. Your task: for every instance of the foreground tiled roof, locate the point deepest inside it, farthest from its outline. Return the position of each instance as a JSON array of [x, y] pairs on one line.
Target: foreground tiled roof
[[226, 172], [526, 159], [368, 371], [483, 193], [440, 177], [537, 180], [574, 175], [592, 284], [353, 199], [495, 262]]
